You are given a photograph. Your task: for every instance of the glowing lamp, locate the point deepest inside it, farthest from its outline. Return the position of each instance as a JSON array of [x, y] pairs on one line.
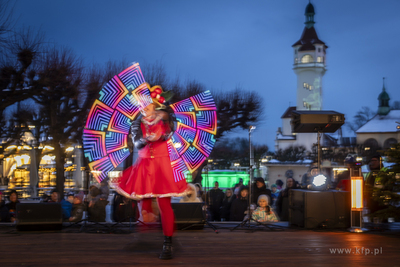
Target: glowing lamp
[[357, 205], [357, 193], [319, 180]]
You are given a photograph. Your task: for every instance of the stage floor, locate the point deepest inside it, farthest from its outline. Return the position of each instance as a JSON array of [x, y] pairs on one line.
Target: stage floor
[[141, 247]]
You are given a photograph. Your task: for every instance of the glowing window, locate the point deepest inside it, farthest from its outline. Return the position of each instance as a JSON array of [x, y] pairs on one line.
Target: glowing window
[[320, 59], [307, 59]]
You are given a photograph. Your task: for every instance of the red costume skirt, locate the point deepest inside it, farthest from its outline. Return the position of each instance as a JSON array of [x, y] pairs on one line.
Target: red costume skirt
[[151, 175]]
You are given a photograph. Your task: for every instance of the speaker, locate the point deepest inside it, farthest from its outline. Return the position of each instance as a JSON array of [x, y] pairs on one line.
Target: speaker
[[304, 121], [319, 209], [39, 216], [189, 215]]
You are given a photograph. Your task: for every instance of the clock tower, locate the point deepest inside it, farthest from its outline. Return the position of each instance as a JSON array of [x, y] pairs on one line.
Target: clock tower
[[309, 65]]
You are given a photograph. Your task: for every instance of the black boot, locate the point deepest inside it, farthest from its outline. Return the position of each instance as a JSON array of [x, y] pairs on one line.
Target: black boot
[[166, 253]]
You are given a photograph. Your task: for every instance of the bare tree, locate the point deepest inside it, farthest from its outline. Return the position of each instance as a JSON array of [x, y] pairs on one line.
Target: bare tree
[[17, 75], [292, 153], [361, 117], [59, 78], [396, 105]]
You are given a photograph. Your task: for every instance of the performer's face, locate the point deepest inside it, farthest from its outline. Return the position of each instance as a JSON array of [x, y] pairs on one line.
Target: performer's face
[[149, 110]]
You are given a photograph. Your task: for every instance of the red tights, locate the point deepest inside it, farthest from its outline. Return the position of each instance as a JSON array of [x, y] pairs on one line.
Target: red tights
[[166, 212]]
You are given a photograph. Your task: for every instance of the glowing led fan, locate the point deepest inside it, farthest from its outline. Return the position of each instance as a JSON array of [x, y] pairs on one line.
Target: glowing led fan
[[193, 138], [107, 127]]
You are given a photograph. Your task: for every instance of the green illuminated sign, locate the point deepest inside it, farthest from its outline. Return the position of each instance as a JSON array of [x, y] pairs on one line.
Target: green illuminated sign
[[225, 179]]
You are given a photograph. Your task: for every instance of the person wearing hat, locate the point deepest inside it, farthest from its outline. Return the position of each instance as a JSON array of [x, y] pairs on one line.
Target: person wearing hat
[[77, 208], [259, 188], [152, 175], [264, 212], [240, 205]]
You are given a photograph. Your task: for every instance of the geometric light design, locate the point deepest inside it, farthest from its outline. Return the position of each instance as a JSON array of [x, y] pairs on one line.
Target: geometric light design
[[188, 133], [179, 168], [204, 142], [119, 103], [193, 158], [194, 137], [187, 118], [110, 118], [207, 121]]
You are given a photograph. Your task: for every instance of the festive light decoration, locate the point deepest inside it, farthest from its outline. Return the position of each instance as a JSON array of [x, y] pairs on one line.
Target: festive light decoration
[[193, 139], [110, 118], [120, 101]]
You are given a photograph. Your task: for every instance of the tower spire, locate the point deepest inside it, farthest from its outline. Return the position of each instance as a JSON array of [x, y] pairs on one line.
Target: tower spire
[[309, 15], [383, 99]]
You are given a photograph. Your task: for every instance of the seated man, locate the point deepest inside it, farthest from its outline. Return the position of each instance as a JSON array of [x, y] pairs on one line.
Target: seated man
[[77, 208]]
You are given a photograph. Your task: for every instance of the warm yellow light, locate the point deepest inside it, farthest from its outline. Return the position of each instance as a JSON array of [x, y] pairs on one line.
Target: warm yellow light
[[359, 159], [26, 147], [11, 147], [69, 149], [210, 160], [47, 159], [340, 169], [236, 164], [357, 193], [48, 148], [22, 160]]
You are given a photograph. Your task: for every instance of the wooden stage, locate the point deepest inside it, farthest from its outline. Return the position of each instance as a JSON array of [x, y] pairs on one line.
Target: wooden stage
[[140, 247]]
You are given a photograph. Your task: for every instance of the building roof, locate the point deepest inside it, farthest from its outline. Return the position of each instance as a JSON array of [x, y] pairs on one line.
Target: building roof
[[381, 123], [288, 113], [285, 137], [308, 39]]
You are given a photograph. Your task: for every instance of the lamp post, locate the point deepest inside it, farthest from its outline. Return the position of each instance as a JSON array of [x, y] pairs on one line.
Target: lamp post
[[251, 128]]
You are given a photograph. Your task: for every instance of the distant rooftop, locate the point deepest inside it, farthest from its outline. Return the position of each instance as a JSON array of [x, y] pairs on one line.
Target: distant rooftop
[[381, 123]]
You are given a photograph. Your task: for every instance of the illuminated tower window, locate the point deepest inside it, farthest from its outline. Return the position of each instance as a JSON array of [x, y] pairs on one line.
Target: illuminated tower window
[[307, 59]]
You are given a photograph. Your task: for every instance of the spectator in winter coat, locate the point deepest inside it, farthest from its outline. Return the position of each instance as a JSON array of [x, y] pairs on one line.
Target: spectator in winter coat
[[214, 198], [239, 206], [274, 194], [264, 212], [259, 188], [282, 203], [77, 208], [226, 205], [4, 214], [12, 205]]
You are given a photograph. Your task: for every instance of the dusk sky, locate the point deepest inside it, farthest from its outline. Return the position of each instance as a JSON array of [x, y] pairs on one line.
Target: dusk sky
[[225, 44]]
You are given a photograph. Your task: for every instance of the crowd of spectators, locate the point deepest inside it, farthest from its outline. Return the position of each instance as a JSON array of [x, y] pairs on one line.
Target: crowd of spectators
[[72, 205], [232, 204]]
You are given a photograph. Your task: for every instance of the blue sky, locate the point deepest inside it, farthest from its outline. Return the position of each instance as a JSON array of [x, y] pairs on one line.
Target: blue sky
[[225, 44]]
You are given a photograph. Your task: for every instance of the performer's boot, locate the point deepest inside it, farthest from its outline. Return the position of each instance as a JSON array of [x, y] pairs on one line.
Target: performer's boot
[[166, 253]]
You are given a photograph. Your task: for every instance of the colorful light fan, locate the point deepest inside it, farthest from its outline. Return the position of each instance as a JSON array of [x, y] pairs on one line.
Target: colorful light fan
[[121, 99]]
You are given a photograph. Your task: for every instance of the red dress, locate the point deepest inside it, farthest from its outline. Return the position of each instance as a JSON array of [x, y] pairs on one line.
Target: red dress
[[151, 175]]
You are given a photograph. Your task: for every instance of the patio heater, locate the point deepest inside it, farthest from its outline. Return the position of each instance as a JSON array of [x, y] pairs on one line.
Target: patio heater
[[357, 205]]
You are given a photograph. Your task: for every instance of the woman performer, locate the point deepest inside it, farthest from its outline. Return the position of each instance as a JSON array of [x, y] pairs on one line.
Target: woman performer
[[152, 175]]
